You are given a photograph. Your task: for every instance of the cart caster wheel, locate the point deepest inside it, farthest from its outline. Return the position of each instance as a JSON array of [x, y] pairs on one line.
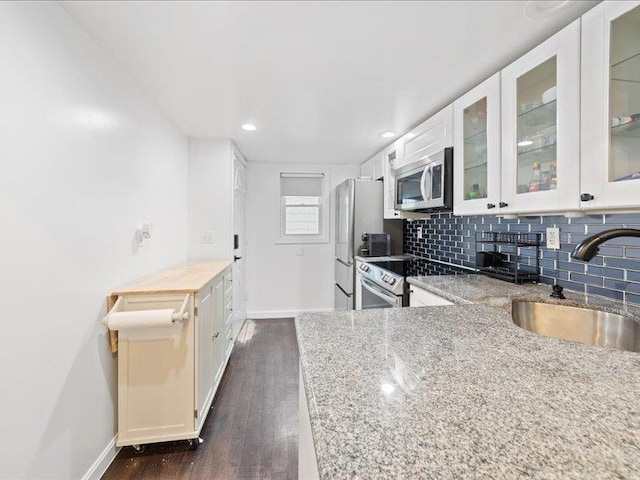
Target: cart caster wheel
[[194, 443], [139, 448]]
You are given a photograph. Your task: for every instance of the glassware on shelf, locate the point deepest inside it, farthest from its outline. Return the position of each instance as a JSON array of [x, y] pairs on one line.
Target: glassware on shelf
[[624, 98], [475, 150], [537, 127]]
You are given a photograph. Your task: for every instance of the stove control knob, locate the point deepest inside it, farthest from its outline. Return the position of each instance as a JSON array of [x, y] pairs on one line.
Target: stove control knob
[[392, 281]]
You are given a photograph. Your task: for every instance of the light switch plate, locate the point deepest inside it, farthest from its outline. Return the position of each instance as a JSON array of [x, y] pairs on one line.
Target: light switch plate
[[553, 238], [420, 236], [206, 236]]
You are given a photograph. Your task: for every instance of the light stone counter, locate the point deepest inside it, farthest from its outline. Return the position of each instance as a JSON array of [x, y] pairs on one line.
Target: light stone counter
[[458, 392], [465, 289]]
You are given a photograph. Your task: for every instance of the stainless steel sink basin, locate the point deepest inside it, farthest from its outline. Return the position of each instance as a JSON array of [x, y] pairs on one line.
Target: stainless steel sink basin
[[592, 327]]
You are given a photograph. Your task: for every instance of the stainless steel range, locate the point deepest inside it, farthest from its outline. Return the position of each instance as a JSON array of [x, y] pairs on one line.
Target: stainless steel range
[[382, 283]]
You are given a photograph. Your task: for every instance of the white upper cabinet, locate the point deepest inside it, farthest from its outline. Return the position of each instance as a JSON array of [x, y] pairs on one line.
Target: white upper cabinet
[[611, 106], [390, 156], [541, 127], [373, 168], [378, 166], [476, 149], [366, 169], [431, 136]]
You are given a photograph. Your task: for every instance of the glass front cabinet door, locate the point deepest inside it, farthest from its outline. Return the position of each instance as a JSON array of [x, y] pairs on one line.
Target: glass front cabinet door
[[476, 147], [541, 127], [610, 104], [391, 156]]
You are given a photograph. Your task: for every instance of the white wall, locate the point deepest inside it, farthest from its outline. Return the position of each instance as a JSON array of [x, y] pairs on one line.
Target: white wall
[[279, 281], [210, 198], [84, 159]]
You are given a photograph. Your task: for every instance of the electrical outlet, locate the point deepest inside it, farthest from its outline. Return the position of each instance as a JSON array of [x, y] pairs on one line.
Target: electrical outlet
[[553, 238], [206, 236], [420, 232]]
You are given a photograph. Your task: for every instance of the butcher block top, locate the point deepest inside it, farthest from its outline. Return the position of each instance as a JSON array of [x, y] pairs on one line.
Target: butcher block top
[[187, 278]]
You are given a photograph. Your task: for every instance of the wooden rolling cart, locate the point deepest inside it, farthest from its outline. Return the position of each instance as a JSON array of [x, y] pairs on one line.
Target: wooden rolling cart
[[169, 371]]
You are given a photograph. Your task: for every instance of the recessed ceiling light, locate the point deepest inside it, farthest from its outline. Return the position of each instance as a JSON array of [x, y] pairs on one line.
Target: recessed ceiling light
[[546, 8], [388, 134], [525, 143], [249, 127]]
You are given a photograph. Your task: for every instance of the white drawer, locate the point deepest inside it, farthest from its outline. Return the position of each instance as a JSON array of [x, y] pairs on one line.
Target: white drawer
[[422, 298]]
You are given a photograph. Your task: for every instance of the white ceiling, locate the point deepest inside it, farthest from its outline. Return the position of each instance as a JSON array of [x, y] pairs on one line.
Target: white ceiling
[[321, 80]]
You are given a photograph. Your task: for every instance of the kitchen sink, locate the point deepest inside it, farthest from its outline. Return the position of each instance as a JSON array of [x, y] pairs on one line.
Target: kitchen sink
[[593, 327]]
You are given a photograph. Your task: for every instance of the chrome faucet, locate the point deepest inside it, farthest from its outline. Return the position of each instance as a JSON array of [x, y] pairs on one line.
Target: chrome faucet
[[588, 248]]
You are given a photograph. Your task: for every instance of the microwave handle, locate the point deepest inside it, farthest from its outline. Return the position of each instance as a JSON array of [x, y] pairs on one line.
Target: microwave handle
[[425, 188]]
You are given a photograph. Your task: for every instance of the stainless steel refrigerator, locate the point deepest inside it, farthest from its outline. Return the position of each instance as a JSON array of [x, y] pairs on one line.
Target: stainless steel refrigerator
[[358, 210]]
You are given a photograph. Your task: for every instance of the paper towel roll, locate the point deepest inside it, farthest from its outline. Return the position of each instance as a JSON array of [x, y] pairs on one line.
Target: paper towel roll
[[140, 319]]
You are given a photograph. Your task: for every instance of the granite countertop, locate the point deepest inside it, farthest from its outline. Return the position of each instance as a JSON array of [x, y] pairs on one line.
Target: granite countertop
[[461, 392], [480, 289]]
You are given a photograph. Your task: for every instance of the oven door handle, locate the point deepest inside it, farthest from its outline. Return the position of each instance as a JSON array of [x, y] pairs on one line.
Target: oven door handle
[[390, 299]]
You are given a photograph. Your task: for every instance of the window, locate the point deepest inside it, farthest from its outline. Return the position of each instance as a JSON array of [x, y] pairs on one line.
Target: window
[[302, 200]]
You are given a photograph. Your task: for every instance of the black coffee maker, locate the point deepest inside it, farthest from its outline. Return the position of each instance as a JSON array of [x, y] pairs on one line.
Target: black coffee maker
[[375, 245]]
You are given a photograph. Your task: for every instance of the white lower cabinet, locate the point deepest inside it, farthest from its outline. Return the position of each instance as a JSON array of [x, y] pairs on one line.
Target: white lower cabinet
[[307, 460], [215, 339], [419, 297]]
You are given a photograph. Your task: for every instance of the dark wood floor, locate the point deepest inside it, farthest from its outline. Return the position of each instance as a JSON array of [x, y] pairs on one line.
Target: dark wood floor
[[251, 431]]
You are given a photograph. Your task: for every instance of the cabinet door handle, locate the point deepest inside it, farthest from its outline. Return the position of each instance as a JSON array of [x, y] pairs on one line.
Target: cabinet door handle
[[585, 197], [491, 205], [503, 204]]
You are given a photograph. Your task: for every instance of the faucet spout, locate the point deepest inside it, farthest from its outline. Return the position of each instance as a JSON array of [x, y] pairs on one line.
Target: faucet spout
[[588, 248]]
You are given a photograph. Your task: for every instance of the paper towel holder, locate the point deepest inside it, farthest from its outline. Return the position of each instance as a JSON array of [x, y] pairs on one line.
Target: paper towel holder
[[183, 313], [179, 316]]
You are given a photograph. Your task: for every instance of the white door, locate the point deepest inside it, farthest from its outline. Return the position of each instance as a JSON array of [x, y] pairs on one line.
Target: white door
[[240, 245], [611, 106], [541, 127]]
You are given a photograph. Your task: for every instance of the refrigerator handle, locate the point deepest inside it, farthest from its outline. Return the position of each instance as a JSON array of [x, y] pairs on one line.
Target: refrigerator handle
[[346, 264], [341, 289]]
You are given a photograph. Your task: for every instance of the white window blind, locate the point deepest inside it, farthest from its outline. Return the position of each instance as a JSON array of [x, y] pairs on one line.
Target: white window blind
[[302, 202]]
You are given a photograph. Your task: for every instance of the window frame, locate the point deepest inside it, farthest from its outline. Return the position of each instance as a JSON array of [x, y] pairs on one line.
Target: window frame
[[323, 210]]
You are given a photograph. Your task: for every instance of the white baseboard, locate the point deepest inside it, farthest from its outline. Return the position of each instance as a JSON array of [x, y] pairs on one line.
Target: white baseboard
[[256, 315], [103, 461]]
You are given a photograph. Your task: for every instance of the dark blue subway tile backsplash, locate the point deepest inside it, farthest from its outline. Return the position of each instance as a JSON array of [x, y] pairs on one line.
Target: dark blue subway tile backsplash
[[614, 273]]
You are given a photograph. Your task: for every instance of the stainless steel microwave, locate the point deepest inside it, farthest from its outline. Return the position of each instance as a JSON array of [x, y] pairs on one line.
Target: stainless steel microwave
[[427, 185]]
